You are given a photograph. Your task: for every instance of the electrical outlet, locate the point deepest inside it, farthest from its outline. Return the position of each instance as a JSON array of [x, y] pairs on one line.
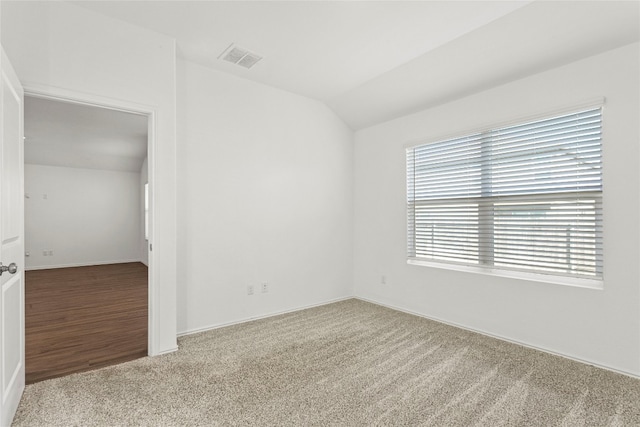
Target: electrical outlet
[[265, 287], [250, 290], [383, 280], [50, 253], [45, 253]]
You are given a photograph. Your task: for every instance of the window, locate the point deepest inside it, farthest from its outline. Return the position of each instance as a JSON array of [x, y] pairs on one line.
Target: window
[[146, 211], [526, 197]]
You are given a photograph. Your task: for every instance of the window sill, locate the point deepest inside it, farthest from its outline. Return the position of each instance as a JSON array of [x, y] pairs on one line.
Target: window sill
[[520, 275]]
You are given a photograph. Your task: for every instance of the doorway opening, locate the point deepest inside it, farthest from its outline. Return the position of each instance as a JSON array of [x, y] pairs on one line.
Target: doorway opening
[[88, 216]]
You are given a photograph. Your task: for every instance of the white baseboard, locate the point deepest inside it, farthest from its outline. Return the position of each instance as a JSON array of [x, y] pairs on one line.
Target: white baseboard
[[501, 338], [171, 350], [251, 319], [80, 264]]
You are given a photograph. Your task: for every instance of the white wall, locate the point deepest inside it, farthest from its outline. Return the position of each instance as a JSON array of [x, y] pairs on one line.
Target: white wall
[[65, 49], [598, 326], [265, 182], [85, 216], [144, 243]]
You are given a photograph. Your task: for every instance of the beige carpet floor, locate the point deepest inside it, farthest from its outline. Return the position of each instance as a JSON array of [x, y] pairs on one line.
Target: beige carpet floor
[[345, 364]]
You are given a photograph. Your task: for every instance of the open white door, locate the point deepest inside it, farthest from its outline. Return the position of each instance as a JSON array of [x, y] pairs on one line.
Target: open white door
[[12, 373]]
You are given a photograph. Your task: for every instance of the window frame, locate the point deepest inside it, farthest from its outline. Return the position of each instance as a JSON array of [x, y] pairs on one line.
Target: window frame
[[146, 211], [597, 282]]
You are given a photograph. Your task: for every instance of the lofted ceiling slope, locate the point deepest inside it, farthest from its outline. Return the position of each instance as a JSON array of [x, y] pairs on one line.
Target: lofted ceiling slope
[[535, 38], [372, 61]]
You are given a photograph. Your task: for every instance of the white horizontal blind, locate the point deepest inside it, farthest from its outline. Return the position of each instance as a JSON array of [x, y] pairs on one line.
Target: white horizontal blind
[[524, 197]]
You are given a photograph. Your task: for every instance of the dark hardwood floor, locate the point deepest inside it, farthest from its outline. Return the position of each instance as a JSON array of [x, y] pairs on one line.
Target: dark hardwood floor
[[83, 318]]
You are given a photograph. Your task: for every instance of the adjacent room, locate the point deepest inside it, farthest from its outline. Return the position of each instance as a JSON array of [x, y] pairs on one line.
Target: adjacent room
[[85, 243], [358, 213]]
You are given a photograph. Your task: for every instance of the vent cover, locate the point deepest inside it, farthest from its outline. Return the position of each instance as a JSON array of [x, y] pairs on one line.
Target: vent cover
[[240, 56]]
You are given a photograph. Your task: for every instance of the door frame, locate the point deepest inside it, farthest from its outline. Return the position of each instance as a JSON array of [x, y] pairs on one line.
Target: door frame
[[80, 98]]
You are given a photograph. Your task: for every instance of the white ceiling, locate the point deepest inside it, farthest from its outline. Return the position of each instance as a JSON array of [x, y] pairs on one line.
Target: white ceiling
[[372, 61], [81, 136], [317, 49], [537, 37]]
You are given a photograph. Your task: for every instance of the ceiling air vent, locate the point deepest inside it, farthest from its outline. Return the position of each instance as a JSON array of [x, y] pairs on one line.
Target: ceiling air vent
[[240, 56]]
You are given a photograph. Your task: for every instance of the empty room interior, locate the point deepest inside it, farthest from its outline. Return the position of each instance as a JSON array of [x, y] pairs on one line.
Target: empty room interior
[[320, 213], [86, 256]]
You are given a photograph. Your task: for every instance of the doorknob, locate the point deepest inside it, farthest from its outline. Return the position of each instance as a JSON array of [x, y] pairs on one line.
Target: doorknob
[[11, 268]]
